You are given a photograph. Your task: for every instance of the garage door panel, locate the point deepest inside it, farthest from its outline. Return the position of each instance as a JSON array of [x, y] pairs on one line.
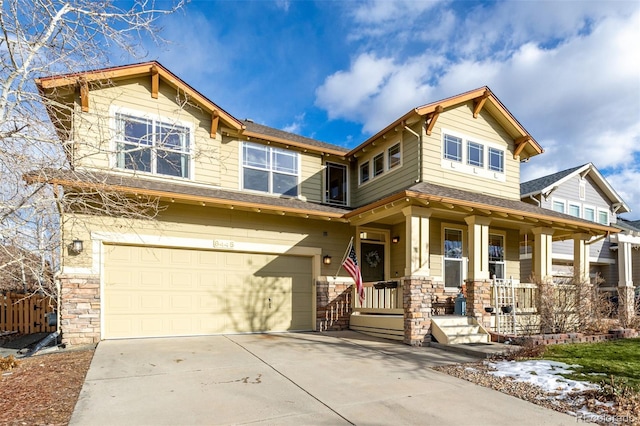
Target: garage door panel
[[171, 292]]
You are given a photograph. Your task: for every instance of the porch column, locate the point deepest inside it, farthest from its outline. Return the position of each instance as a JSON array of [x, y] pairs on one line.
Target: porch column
[[581, 256], [625, 280], [417, 241], [542, 253], [479, 247]]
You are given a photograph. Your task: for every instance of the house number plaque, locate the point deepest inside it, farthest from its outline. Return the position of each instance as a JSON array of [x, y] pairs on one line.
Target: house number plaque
[[223, 244]]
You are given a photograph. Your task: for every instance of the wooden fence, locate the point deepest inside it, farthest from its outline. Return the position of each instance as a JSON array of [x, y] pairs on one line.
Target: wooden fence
[[25, 313]]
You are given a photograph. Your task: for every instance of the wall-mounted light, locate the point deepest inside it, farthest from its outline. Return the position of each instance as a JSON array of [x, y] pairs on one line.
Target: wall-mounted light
[[396, 239], [76, 246], [326, 260]]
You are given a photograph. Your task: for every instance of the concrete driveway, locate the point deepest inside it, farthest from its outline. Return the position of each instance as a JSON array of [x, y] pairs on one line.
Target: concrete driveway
[[281, 379]]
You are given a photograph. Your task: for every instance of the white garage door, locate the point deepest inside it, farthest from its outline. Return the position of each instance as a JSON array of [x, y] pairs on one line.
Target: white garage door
[[152, 291]]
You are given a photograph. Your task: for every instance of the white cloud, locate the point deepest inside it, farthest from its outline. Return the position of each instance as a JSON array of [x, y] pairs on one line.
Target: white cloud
[[568, 71]]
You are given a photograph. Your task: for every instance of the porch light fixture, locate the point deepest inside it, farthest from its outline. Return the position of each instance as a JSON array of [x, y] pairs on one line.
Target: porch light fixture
[[396, 239], [326, 260], [76, 246]]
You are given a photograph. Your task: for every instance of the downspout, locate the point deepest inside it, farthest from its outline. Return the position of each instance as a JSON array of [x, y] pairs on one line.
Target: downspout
[[410, 130], [538, 202]]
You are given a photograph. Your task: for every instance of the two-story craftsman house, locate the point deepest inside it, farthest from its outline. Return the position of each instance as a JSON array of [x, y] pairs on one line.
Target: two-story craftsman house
[[583, 192], [253, 221]]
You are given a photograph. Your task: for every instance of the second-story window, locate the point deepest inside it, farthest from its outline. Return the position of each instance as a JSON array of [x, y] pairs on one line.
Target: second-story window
[[452, 148], [378, 164], [152, 146], [496, 160], [269, 169], [475, 155], [394, 156], [364, 172], [603, 217]]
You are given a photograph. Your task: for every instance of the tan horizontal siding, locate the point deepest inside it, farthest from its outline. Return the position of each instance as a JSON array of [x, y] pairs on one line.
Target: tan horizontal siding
[[197, 222], [390, 181], [93, 128], [484, 128]]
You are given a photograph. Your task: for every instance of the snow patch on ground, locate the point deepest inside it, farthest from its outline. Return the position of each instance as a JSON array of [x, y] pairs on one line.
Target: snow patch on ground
[[542, 373]]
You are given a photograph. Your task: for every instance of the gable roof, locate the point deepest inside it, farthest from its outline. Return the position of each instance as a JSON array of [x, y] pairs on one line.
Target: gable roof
[[113, 74], [483, 98], [546, 184], [246, 129]]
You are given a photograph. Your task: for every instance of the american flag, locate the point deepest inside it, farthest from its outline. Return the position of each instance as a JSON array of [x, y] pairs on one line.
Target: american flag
[[351, 265]]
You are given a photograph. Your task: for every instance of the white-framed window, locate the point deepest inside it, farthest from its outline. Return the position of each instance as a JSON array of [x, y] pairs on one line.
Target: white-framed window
[[452, 148], [453, 257], [153, 145], [378, 164], [269, 169], [496, 160], [475, 154], [364, 172], [336, 184], [574, 210], [394, 156], [589, 213], [603, 217], [496, 256], [470, 155], [559, 206]]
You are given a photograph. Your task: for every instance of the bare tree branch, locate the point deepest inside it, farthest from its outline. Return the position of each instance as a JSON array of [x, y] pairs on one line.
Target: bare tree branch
[[44, 38]]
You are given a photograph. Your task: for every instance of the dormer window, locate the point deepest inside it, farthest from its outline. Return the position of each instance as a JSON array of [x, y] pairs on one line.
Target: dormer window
[[271, 170], [151, 145]]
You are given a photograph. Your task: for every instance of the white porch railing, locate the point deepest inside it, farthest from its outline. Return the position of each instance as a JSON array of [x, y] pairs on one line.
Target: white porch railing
[[384, 297]]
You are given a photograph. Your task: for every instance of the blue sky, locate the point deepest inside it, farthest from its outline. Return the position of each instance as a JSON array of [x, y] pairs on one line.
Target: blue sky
[[338, 71]]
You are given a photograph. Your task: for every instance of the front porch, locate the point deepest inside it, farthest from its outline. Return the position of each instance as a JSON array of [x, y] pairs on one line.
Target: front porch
[[417, 250]]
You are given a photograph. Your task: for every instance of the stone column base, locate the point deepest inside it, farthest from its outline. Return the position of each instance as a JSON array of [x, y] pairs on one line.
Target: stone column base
[[80, 309], [417, 310], [333, 305], [626, 304]]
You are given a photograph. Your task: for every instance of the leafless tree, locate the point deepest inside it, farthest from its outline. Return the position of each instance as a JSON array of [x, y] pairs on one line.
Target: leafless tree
[[43, 38]]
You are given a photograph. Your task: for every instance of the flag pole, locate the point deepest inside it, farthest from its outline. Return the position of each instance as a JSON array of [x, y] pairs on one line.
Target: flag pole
[[346, 253]]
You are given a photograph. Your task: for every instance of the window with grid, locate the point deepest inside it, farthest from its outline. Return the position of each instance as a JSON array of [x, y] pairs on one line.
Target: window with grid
[[453, 262], [152, 146], [452, 148], [496, 160], [496, 256], [271, 170], [475, 154]]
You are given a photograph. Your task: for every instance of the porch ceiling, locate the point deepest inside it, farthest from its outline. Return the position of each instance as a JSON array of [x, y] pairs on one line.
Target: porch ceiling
[[455, 204]]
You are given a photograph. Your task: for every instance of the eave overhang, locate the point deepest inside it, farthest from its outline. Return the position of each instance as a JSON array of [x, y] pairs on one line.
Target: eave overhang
[[206, 197], [451, 206], [153, 69], [525, 145]]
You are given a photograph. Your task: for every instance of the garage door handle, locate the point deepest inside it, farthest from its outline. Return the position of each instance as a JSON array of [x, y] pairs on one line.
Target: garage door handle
[[269, 303]]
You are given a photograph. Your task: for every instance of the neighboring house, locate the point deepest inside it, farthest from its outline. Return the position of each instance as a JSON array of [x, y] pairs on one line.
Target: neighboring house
[[583, 192], [255, 221]]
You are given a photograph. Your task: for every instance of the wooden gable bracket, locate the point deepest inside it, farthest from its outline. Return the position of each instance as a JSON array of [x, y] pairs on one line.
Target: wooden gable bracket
[[478, 103], [215, 120], [84, 95], [520, 143], [431, 121], [155, 82]]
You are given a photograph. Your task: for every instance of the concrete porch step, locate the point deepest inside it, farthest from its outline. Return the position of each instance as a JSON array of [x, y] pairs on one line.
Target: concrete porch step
[[457, 329]]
